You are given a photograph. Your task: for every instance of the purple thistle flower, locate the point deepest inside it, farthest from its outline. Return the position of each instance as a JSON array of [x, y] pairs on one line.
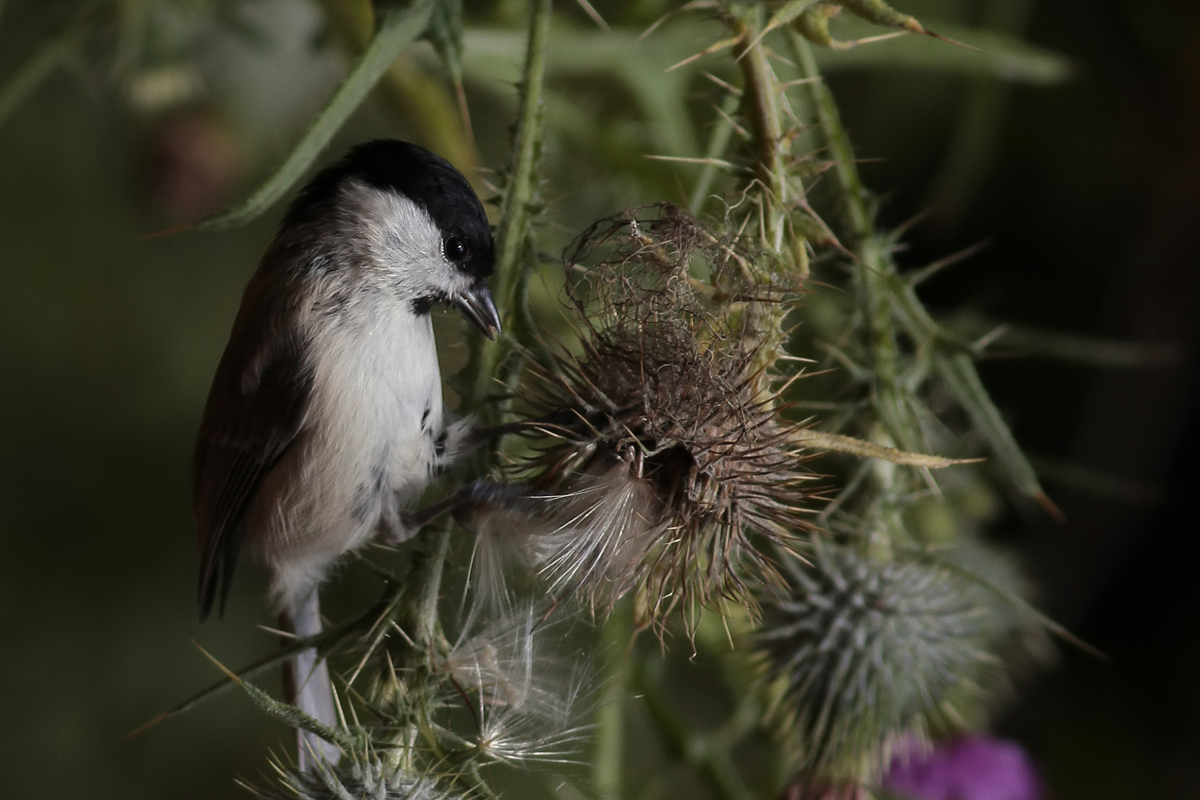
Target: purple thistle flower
[[970, 768]]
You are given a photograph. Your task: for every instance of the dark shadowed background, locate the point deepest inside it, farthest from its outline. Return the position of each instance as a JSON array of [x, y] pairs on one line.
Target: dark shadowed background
[[1087, 192]]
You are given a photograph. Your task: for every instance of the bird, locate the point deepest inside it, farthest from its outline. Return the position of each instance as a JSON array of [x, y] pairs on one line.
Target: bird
[[325, 420]]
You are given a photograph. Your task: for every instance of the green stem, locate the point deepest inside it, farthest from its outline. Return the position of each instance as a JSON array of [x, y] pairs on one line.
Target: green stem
[[783, 191], [712, 763], [885, 299], [516, 211], [854, 196], [888, 398], [428, 626], [610, 720], [761, 103], [778, 193]]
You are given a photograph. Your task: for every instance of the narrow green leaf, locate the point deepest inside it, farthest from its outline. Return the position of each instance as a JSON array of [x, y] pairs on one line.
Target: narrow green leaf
[[445, 33], [327, 641], [397, 29], [1096, 352], [211, 691], [718, 142], [1000, 56], [491, 60], [857, 447], [957, 372], [287, 713], [1021, 605], [663, 98], [1098, 482], [489, 54]]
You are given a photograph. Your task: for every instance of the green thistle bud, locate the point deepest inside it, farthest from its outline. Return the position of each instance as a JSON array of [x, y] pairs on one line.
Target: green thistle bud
[[862, 653]]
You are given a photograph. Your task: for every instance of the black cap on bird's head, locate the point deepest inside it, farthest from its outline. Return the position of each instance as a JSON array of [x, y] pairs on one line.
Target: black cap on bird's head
[[436, 186]]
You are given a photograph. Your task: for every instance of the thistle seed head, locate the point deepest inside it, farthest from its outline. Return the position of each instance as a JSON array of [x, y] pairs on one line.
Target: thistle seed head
[[662, 462], [526, 701], [861, 654]]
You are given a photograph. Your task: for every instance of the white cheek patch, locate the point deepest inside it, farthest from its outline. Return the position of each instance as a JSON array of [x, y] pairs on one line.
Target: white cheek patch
[[402, 244]]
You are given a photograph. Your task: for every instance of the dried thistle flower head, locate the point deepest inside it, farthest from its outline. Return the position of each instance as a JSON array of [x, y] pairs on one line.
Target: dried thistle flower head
[[663, 464], [862, 653]]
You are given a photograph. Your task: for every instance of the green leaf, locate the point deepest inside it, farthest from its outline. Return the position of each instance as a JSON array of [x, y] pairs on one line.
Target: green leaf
[[857, 447], [397, 29], [1103, 484], [446, 35], [328, 641], [286, 713], [1108, 353], [998, 56], [718, 142], [1020, 604], [957, 372]]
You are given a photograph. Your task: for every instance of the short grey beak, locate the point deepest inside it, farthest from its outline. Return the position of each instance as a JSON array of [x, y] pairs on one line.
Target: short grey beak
[[476, 305]]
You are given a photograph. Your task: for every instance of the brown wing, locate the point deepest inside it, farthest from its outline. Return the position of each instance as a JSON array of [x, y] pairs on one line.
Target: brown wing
[[255, 411]]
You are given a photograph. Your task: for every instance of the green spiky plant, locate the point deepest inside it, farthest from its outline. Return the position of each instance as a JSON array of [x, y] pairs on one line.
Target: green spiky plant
[[653, 452]]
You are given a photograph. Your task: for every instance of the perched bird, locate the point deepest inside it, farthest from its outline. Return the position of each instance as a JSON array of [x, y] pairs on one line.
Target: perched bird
[[325, 415]]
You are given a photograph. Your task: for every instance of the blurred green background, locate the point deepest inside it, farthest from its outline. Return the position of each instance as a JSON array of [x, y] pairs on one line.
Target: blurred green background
[[1088, 192]]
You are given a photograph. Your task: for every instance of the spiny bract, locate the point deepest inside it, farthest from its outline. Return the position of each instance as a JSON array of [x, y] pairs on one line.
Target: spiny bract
[[860, 653], [365, 779]]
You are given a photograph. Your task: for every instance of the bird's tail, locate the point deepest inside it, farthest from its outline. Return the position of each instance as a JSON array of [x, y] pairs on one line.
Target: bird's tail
[[307, 683]]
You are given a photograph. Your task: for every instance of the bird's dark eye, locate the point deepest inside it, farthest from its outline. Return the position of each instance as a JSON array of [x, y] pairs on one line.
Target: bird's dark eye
[[455, 249]]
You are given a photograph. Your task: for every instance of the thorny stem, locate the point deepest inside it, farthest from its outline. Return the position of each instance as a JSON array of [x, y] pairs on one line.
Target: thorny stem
[[779, 191], [487, 360], [885, 300], [887, 396], [761, 104], [512, 237], [853, 194], [428, 625], [516, 211]]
